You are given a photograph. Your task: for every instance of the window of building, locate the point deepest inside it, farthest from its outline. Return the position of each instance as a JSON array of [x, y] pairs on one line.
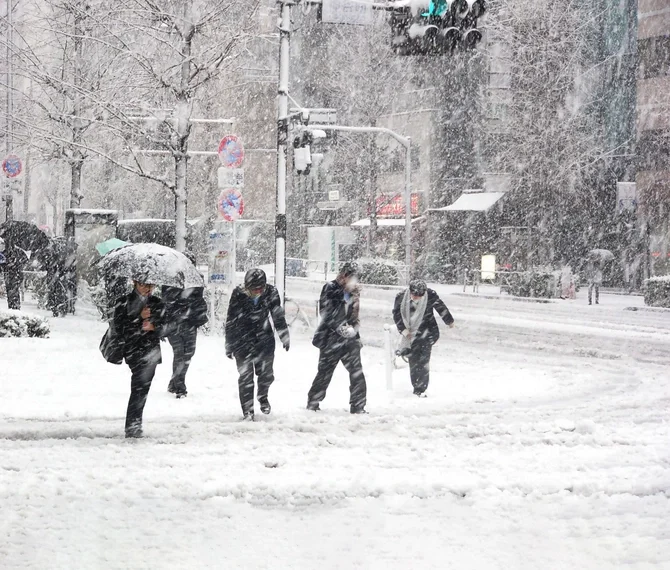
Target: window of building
[[654, 54]]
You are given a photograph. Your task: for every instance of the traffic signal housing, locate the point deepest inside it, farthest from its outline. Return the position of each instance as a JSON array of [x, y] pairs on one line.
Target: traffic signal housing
[[302, 154], [436, 27]]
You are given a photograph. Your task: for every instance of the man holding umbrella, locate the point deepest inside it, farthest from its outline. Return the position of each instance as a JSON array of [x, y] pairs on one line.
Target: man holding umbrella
[[22, 241], [594, 271], [138, 319]]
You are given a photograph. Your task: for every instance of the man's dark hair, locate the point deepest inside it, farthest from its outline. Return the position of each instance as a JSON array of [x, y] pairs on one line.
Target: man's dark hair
[[255, 279], [349, 268], [418, 287]]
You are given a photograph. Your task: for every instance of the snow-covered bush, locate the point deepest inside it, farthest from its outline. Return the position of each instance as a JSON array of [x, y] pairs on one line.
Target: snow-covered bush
[[18, 324], [378, 272], [532, 284], [657, 291]]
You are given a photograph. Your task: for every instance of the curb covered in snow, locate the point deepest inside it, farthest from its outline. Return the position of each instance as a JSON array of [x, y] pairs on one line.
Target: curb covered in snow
[[649, 309], [506, 298]]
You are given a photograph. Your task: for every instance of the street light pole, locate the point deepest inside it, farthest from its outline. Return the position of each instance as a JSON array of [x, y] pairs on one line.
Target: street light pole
[[282, 144]]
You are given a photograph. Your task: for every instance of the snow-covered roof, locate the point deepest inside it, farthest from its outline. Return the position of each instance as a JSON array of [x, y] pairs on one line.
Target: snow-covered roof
[[384, 222], [92, 211], [473, 202], [121, 222]]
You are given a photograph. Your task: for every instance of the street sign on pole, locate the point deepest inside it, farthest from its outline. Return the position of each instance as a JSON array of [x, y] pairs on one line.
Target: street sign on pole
[[12, 166], [230, 177], [230, 204], [626, 196], [231, 151]]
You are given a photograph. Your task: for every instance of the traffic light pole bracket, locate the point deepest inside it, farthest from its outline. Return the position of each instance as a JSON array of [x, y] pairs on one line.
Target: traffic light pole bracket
[[282, 148], [406, 142]]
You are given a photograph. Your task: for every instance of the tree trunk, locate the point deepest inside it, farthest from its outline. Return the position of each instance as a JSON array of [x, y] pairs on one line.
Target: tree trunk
[[183, 111], [181, 169], [77, 161], [75, 182]]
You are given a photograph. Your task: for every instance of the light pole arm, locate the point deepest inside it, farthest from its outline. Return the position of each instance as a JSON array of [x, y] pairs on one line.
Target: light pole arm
[[407, 143], [404, 141]]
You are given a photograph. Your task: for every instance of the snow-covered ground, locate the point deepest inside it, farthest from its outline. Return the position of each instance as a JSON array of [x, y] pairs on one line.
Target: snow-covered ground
[[545, 443]]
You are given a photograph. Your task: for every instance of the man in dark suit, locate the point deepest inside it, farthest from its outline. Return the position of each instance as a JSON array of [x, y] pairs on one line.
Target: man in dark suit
[[185, 311], [413, 315], [138, 320], [337, 339], [250, 338]]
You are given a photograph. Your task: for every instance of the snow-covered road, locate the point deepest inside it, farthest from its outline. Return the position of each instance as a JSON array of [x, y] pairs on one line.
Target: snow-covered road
[[545, 443]]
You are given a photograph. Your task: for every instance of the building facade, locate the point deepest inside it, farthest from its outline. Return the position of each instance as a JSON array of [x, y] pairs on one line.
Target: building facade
[[653, 128]]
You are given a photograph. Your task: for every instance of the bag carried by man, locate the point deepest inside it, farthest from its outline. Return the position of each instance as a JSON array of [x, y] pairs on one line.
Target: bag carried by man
[[112, 345]]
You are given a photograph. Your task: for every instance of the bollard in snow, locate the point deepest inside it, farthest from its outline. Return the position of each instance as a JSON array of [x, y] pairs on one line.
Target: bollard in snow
[[388, 358]]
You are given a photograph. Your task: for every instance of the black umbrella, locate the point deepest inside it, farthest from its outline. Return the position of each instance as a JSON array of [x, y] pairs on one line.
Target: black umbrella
[[23, 235]]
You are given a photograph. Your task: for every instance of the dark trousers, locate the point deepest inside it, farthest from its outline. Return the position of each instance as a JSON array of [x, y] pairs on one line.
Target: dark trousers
[[260, 363], [143, 371], [593, 286], [13, 286], [183, 349], [350, 355], [419, 366]]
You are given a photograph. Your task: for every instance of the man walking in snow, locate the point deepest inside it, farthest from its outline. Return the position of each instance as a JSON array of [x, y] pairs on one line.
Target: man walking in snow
[[138, 320], [595, 277], [250, 338], [413, 315], [185, 311], [338, 340]]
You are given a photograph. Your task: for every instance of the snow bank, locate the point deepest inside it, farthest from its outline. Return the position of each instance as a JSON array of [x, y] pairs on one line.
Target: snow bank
[[19, 324]]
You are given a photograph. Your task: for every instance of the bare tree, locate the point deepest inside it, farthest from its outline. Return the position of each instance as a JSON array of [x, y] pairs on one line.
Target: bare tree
[[549, 135], [174, 48], [62, 57]]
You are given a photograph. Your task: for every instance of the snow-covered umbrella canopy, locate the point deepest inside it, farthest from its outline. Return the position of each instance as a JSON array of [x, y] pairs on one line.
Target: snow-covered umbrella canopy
[[601, 255], [152, 263]]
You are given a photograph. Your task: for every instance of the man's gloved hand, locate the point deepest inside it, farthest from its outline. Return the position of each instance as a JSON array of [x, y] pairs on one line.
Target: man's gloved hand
[[286, 344], [346, 331], [405, 333]]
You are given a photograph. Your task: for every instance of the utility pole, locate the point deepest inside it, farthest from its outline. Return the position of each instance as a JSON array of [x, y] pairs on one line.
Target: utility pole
[[282, 144], [9, 137]]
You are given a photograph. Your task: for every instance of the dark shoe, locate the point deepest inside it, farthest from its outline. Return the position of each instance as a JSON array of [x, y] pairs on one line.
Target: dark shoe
[[313, 407], [420, 394], [358, 411], [181, 394], [134, 433], [266, 408], [171, 388], [248, 417]]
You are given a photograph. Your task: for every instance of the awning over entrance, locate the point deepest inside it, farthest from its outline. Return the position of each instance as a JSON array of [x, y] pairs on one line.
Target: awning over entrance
[[384, 222], [473, 202]]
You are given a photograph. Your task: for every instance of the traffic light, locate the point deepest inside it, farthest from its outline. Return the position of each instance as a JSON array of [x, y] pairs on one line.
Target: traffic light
[[435, 26], [302, 155]]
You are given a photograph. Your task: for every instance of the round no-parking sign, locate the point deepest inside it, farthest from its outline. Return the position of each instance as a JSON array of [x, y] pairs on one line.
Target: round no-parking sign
[[12, 166], [231, 151], [230, 204]]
